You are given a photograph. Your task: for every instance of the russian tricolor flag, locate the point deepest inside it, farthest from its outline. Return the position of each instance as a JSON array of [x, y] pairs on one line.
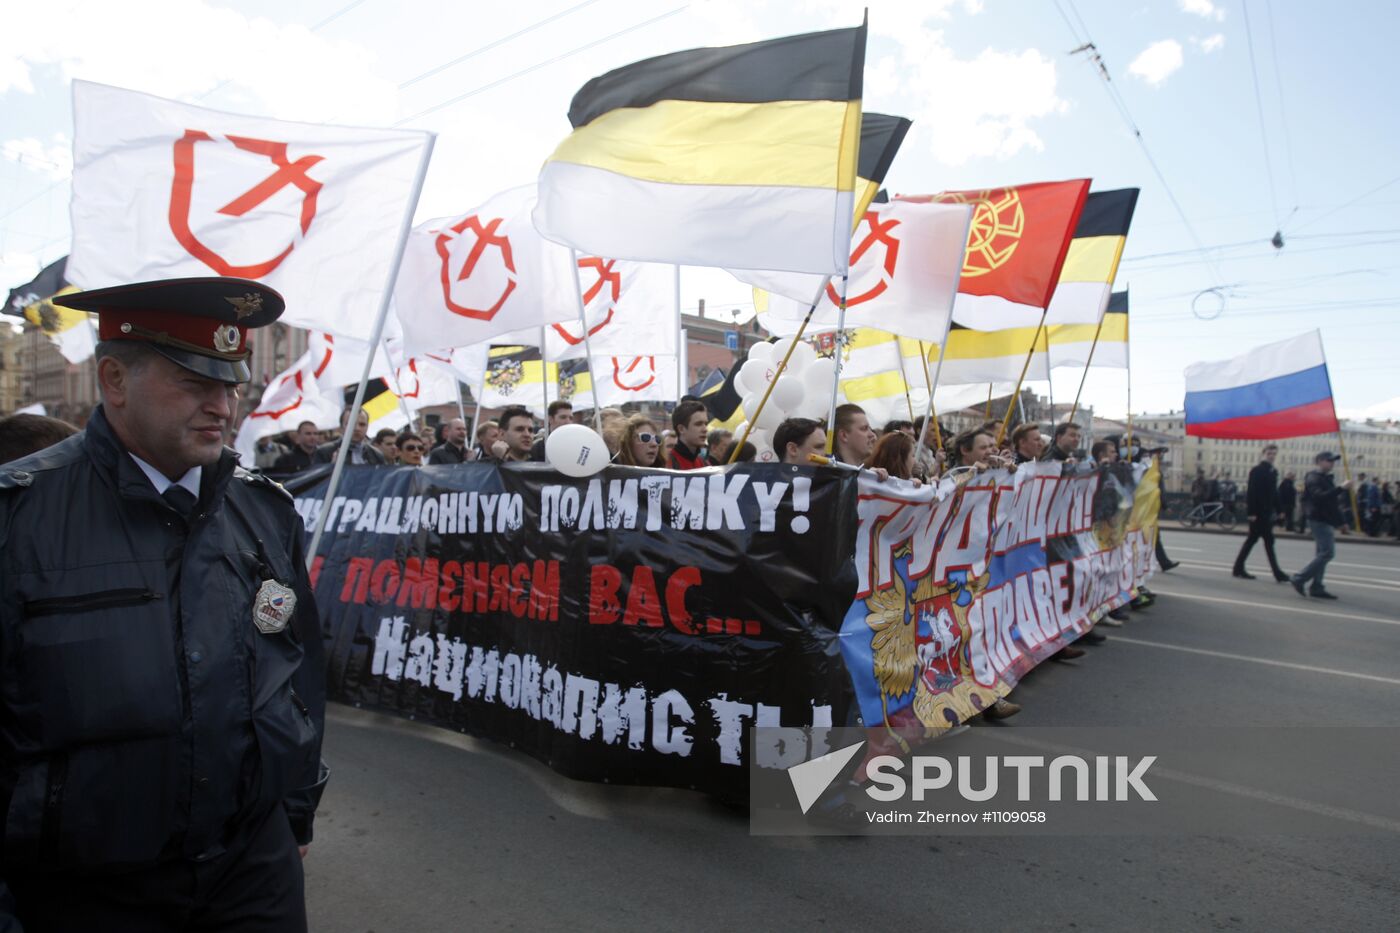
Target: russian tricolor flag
[[1272, 392]]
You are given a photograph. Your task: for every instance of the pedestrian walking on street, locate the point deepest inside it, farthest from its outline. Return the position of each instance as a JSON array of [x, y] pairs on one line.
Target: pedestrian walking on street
[[1322, 507], [1259, 501]]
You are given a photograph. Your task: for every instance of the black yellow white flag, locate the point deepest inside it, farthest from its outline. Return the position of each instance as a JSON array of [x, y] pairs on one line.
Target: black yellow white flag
[[741, 157]]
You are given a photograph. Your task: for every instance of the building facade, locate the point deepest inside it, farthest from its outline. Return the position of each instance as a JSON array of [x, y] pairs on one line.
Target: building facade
[[1372, 448]]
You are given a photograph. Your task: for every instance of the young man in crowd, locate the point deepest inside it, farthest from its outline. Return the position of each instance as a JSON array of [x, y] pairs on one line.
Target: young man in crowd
[[1260, 498], [517, 435], [1027, 443], [305, 439], [796, 439], [855, 438], [690, 420], [453, 448], [1322, 507], [386, 441], [360, 452], [1065, 443], [1288, 501], [559, 414]]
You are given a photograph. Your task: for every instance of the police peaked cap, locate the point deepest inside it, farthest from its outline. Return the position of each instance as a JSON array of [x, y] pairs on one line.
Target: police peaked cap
[[201, 324]]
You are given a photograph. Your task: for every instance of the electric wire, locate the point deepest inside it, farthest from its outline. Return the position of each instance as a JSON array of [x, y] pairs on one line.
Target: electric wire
[[543, 64], [1259, 107], [1282, 109], [494, 43]]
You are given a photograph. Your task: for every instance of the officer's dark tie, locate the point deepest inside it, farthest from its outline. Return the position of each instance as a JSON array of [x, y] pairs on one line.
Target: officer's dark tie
[[180, 499]]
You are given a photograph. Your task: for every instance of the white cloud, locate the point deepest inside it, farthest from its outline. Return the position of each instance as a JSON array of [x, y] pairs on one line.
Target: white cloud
[[1157, 62], [1203, 8], [1210, 43], [54, 162], [276, 70]]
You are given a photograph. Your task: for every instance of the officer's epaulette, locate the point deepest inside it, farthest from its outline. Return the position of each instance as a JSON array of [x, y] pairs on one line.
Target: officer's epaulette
[[15, 479], [263, 482]]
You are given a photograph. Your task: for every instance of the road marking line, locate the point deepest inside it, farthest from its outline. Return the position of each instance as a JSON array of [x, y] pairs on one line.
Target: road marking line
[[1349, 581], [1262, 605], [1225, 787], [1340, 563], [1197, 550], [1271, 663]]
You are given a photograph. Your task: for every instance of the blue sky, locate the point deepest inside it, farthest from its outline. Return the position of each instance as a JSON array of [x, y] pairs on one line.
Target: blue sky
[[995, 96]]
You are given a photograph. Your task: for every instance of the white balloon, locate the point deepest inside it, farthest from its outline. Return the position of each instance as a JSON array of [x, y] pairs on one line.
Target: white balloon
[[819, 375], [739, 431], [802, 357], [761, 351], [750, 370], [780, 348], [769, 418], [788, 392], [576, 450]]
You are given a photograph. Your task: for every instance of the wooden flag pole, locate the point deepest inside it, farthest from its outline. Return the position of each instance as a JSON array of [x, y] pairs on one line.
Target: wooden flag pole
[[987, 413], [904, 376], [1346, 468], [479, 391], [836, 380], [782, 366], [932, 413], [398, 389], [544, 380], [376, 335], [1049, 378], [933, 387], [1089, 362], [587, 344], [1001, 434]]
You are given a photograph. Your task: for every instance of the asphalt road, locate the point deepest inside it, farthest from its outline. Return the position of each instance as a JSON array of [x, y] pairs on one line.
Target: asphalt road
[[424, 830]]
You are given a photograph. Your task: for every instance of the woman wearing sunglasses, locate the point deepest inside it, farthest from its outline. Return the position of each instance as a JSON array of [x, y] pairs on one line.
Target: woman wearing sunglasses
[[641, 443], [410, 449]]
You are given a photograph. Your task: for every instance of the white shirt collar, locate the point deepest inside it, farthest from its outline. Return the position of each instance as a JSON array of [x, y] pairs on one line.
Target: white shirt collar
[[190, 481]]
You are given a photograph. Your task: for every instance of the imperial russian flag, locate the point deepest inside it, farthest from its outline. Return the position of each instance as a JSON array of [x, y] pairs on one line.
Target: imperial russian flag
[[1272, 392]]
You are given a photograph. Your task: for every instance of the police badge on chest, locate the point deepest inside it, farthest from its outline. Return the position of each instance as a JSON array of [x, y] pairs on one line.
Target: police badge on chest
[[273, 607]]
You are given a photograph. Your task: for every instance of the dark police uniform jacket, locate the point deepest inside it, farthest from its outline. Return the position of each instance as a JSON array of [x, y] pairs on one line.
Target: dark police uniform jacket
[[143, 716]]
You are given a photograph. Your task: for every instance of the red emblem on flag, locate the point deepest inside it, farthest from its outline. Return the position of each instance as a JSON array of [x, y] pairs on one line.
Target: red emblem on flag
[[636, 375], [286, 173], [605, 277], [880, 234], [483, 280]]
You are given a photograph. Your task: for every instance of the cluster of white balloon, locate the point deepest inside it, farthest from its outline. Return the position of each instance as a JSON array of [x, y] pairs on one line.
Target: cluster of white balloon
[[802, 391]]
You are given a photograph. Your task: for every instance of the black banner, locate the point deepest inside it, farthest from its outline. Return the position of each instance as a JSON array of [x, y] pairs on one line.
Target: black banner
[[626, 627]]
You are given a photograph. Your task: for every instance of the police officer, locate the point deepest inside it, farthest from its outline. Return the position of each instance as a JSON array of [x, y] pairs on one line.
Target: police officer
[[162, 696]]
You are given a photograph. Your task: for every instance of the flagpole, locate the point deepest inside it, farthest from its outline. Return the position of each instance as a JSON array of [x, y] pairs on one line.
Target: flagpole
[[836, 381], [398, 391], [1128, 360], [1049, 378], [587, 343], [376, 336], [544, 380], [477, 393], [909, 402], [680, 336], [1341, 443], [937, 370], [932, 415], [1090, 362], [1001, 434], [987, 414], [782, 366]]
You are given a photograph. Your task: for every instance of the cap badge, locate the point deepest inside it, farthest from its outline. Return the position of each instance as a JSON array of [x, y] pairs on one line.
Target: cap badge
[[250, 303], [226, 338]]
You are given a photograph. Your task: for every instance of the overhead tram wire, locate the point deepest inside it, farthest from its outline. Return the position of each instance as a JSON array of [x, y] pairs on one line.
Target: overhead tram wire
[[1353, 201], [1088, 45], [538, 65], [1263, 128], [1282, 109], [494, 43]]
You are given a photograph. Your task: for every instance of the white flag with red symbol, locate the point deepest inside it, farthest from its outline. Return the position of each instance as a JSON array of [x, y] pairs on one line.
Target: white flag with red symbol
[[164, 190], [473, 277], [291, 398], [630, 307], [339, 361], [906, 259], [620, 379]]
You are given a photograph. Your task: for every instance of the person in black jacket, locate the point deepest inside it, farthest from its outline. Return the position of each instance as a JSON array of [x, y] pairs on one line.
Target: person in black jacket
[[1322, 507], [305, 440], [1259, 500], [360, 452], [164, 692]]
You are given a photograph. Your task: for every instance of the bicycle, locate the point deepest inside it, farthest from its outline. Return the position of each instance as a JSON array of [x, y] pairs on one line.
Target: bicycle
[[1210, 512]]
